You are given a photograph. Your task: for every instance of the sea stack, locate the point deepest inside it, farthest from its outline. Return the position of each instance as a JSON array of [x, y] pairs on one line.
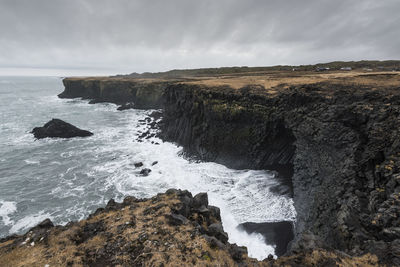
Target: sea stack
[[59, 128]]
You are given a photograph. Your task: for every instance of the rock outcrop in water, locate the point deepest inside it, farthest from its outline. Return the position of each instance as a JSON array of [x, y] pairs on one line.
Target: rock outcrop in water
[[171, 229], [59, 128]]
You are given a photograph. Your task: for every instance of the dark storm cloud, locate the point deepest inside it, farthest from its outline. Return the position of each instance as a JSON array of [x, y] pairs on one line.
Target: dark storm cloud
[[152, 35]]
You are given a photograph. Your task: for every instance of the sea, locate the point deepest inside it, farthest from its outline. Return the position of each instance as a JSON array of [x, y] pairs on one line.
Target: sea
[[67, 179]]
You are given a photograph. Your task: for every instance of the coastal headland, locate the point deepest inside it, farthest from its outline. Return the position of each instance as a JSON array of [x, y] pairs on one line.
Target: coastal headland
[[331, 134]]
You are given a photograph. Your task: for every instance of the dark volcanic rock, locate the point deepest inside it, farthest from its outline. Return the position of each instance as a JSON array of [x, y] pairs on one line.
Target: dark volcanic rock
[[216, 230], [59, 128], [335, 144], [118, 91], [278, 234], [138, 164], [199, 200], [145, 172], [176, 219]]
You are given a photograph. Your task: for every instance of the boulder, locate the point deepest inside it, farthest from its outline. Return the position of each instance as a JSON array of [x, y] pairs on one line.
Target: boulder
[[145, 172], [218, 232], [199, 200], [59, 128], [176, 219], [138, 164]]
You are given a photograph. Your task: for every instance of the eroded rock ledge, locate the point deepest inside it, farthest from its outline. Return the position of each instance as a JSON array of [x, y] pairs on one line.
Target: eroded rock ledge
[[171, 229]]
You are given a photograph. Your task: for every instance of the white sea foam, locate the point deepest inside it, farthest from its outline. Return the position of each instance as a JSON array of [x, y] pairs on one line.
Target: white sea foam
[[29, 221], [31, 162], [7, 208], [76, 176], [242, 195]]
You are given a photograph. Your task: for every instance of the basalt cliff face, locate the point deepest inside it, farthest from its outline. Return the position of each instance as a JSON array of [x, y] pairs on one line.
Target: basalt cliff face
[[334, 137], [145, 94], [339, 144]]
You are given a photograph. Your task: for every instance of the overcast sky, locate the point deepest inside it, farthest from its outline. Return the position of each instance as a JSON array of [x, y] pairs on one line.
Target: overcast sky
[[81, 37]]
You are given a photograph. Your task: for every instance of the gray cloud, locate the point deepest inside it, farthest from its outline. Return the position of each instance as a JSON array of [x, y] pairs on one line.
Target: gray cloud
[[100, 36]]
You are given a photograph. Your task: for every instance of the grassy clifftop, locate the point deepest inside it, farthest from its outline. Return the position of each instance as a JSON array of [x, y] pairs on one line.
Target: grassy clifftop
[[388, 65]]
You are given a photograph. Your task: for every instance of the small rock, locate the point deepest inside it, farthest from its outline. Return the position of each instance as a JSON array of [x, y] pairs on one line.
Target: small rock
[[143, 237], [129, 200], [172, 191], [156, 115], [138, 164], [213, 242], [201, 199], [112, 205], [154, 163], [176, 219], [47, 223], [145, 172], [216, 230], [215, 212], [237, 252]]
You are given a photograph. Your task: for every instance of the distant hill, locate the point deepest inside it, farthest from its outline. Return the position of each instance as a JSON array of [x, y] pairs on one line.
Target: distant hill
[[375, 65]]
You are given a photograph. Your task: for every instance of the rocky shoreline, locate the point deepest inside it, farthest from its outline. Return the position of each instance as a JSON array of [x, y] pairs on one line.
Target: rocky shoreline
[[136, 232], [335, 143], [170, 229]]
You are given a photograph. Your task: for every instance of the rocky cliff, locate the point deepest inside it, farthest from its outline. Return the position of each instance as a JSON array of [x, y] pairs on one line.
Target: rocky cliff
[[144, 94], [333, 137], [338, 142]]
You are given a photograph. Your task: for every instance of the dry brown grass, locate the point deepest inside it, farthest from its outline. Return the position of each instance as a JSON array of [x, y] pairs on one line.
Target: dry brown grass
[[286, 79], [273, 81], [319, 257], [165, 245], [172, 247]]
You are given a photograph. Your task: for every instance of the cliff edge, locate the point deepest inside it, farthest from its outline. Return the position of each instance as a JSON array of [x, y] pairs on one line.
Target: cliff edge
[[170, 229], [332, 136]]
